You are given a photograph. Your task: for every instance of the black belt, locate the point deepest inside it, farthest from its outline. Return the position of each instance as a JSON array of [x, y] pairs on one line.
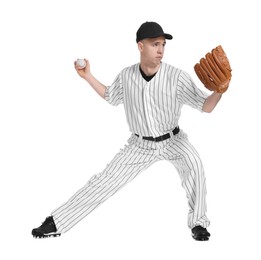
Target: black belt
[[160, 138]]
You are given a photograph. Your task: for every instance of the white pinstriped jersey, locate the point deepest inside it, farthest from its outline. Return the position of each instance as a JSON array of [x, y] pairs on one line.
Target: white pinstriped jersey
[[153, 108]]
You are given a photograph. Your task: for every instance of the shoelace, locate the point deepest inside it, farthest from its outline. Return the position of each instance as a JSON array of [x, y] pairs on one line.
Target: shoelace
[[47, 222]]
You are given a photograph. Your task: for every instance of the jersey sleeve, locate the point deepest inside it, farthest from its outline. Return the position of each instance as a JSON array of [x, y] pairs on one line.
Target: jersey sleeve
[[114, 92], [188, 93]]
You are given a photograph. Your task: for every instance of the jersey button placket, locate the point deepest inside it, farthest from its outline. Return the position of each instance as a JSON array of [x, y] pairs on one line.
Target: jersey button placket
[[148, 108]]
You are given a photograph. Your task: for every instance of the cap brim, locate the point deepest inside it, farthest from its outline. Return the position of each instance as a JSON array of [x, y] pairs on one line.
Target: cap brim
[[168, 36]]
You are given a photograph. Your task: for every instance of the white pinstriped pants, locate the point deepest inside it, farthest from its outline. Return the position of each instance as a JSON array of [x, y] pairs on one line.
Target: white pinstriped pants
[[137, 156]]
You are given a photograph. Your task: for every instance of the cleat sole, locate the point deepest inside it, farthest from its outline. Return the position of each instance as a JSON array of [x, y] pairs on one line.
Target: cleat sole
[[46, 236]]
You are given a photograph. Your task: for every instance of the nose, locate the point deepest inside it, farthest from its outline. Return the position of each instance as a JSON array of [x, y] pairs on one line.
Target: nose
[[160, 49]]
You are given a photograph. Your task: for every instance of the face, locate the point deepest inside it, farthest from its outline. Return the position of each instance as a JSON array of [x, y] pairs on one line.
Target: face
[[152, 50]]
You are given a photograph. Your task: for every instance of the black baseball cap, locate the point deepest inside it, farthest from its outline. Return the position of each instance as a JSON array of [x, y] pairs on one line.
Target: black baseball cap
[[151, 30]]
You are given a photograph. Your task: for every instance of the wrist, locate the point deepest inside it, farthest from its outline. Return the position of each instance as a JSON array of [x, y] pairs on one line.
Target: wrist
[[88, 77], [218, 94]]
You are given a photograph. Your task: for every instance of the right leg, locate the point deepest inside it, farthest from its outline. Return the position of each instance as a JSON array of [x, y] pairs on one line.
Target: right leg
[[125, 166]]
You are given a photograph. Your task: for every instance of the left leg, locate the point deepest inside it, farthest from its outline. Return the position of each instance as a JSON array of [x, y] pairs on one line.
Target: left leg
[[189, 166]]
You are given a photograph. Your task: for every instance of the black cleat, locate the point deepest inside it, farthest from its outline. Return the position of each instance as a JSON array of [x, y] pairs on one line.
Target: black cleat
[[47, 229], [200, 234]]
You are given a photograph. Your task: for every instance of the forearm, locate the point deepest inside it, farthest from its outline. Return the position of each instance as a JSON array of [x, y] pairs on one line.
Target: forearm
[[211, 102], [85, 73], [96, 85]]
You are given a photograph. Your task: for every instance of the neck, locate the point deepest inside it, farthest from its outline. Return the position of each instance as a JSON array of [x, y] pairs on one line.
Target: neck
[[149, 69]]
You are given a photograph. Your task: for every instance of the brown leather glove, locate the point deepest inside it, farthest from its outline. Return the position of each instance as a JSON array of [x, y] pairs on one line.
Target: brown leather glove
[[214, 70]]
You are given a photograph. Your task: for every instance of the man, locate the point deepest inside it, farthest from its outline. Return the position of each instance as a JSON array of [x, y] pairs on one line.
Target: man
[[153, 94]]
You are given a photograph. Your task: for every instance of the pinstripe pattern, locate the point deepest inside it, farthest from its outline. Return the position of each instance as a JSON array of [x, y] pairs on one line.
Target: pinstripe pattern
[[127, 164], [152, 109]]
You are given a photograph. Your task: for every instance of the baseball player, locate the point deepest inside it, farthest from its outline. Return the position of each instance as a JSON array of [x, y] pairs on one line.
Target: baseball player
[[153, 94]]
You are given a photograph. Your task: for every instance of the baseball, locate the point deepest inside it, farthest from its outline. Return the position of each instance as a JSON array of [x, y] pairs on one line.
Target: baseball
[[81, 63]]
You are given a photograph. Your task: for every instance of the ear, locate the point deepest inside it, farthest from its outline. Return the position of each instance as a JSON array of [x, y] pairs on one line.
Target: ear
[[140, 46]]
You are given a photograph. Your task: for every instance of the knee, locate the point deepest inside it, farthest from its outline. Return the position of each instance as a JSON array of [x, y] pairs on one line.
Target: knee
[[196, 164]]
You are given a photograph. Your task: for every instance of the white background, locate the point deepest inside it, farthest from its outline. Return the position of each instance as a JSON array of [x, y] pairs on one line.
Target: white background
[[56, 132]]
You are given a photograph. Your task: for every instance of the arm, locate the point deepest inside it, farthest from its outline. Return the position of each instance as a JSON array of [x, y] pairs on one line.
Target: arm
[[211, 102], [85, 73]]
